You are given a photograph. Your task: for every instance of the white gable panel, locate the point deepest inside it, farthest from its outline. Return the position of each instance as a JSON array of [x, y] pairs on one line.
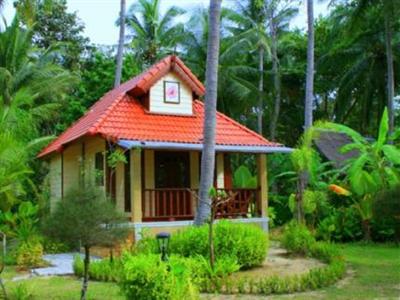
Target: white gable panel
[[157, 103]]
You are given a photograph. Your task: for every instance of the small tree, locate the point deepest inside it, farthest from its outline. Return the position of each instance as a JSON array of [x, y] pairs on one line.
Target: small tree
[[86, 215]]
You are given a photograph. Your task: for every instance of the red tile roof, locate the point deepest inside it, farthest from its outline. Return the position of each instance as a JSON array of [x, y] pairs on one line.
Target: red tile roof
[[119, 115]]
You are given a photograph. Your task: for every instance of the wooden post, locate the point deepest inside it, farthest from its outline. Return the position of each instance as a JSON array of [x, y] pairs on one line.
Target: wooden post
[[220, 171], [136, 185], [149, 181], [263, 182], [194, 176], [120, 186]]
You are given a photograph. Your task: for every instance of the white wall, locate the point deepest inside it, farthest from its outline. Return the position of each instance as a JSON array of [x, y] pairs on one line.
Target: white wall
[[157, 104]]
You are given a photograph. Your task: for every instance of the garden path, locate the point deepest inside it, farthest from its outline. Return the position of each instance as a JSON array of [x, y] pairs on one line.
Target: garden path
[[60, 264]]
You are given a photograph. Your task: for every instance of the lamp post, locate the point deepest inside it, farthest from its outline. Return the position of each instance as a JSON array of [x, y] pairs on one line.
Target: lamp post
[[163, 242]]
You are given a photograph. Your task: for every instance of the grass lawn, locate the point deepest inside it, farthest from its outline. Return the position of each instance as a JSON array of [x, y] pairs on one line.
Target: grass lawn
[[374, 274]]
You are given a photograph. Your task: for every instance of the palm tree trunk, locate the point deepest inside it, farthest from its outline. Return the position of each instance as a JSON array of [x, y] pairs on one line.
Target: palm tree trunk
[[210, 107], [260, 108], [86, 263], [390, 76], [277, 80], [120, 53], [308, 105]]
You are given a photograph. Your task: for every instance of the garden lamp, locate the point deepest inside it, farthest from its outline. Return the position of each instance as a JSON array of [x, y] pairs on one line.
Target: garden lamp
[[163, 241]]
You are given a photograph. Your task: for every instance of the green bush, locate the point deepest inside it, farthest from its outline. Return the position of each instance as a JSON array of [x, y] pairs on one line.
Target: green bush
[[297, 238], [313, 279], [246, 243], [146, 277], [29, 254], [100, 270], [146, 245], [21, 292], [342, 225]]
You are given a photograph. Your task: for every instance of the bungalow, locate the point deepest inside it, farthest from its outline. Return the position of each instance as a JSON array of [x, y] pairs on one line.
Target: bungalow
[[156, 119]]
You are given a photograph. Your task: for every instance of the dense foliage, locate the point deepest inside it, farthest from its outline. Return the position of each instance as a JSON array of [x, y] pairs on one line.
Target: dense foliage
[[297, 238], [145, 277], [246, 243], [50, 75]]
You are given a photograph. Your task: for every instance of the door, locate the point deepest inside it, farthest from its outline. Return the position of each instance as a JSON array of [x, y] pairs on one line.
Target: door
[[172, 182]]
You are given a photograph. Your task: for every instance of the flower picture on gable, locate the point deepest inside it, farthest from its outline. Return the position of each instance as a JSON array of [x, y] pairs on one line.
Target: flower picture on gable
[[171, 92]]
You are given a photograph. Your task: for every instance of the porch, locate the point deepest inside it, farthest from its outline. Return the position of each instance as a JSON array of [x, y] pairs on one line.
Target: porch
[[175, 204], [160, 186]]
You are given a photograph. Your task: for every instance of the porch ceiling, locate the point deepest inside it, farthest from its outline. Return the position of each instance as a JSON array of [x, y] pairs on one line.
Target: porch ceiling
[[129, 144]]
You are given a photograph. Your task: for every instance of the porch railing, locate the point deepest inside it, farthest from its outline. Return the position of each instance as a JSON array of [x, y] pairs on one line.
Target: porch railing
[[180, 204]]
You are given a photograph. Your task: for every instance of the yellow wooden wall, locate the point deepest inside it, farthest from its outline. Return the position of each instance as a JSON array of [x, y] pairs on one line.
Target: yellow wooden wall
[[92, 146], [55, 179], [71, 166], [74, 166]]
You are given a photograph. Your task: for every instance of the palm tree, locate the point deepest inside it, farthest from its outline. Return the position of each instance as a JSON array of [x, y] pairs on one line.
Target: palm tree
[[153, 35], [388, 9], [209, 126], [31, 85], [30, 88], [236, 86], [251, 17], [308, 105], [279, 15], [352, 66], [120, 53]]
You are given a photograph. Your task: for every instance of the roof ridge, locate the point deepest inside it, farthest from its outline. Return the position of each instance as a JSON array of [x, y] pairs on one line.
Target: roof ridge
[[239, 125]]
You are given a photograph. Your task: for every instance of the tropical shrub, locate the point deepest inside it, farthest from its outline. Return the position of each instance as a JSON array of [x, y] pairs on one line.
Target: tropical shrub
[[88, 216], [311, 280], [373, 169], [29, 254], [146, 245], [386, 208], [21, 292], [297, 238], [22, 223], [101, 270], [343, 224], [146, 277], [248, 244]]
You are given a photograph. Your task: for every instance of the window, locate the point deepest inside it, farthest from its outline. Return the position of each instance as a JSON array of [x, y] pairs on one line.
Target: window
[[99, 168], [172, 92]]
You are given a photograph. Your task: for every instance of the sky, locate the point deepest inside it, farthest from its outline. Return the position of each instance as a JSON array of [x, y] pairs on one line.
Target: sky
[[99, 15]]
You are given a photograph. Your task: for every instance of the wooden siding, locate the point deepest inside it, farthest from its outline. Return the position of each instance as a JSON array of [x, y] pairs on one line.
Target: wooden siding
[[157, 104], [55, 179], [71, 166], [93, 145], [220, 171]]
